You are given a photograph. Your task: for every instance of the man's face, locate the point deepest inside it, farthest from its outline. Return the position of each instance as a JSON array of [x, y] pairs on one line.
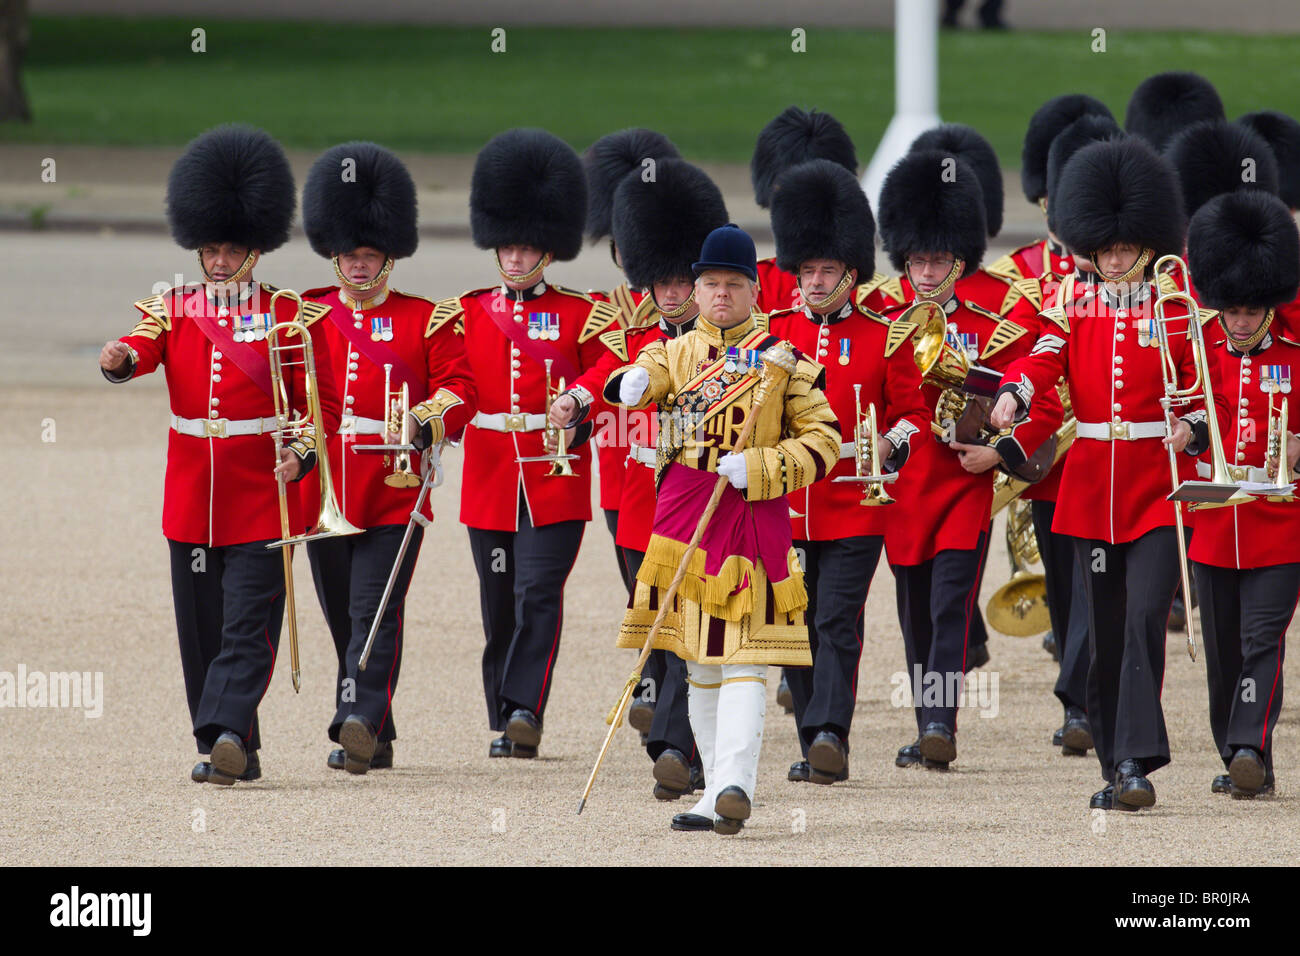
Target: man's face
[[819, 277], [519, 260], [1116, 260], [1242, 322], [927, 270], [221, 260], [361, 265], [670, 295], [726, 298]]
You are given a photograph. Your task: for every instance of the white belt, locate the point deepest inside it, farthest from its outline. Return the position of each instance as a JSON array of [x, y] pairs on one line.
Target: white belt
[[1238, 472], [848, 449], [1119, 431], [356, 425], [506, 422], [646, 456], [222, 427]]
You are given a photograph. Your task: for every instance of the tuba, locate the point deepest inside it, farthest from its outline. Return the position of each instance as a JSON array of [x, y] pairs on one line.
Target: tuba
[[560, 459], [1019, 607], [289, 426], [866, 455]]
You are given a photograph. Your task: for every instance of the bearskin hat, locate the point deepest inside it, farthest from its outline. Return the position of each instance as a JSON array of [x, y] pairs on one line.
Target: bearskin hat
[[611, 158], [1165, 103], [1282, 134], [528, 188], [924, 208], [1086, 129], [232, 184], [1243, 249], [795, 137], [968, 145], [372, 206], [1117, 191], [819, 211], [659, 225], [1211, 158], [1048, 120]]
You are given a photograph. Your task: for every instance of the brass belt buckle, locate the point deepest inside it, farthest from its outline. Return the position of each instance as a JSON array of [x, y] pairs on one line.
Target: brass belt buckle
[[1118, 430], [1238, 473], [214, 428], [515, 422]]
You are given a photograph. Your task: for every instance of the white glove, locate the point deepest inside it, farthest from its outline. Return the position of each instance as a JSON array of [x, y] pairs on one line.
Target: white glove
[[633, 386], [732, 467]]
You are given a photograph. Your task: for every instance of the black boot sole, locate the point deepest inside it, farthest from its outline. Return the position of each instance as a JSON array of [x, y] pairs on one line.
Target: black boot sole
[[523, 734], [228, 760], [938, 749], [824, 760], [358, 746], [641, 717], [1247, 773]]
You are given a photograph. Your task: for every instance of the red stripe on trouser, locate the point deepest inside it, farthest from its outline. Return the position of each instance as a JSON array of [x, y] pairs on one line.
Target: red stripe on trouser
[[555, 644], [388, 687]]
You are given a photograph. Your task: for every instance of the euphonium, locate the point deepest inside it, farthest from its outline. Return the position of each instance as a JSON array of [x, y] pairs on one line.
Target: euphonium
[[560, 466], [866, 455], [290, 427], [1019, 607]]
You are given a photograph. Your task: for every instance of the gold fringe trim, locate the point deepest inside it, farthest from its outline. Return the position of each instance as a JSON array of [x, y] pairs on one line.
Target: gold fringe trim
[[717, 594]]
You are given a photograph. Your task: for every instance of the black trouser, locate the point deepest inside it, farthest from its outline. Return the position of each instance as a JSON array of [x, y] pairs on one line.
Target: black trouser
[[663, 680], [837, 574], [1244, 615], [521, 577], [229, 607], [1129, 589], [979, 635], [611, 522], [1065, 604], [937, 604], [350, 572]]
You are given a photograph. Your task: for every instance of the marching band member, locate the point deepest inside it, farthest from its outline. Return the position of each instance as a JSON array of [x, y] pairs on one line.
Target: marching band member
[[1118, 205], [1164, 104], [1244, 254], [658, 226], [740, 607], [825, 236], [1282, 133], [230, 197], [363, 222], [528, 205], [933, 225]]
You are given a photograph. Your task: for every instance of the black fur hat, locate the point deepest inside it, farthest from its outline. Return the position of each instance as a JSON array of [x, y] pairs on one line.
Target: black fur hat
[[659, 226], [1048, 120], [1165, 103], [611, 158], [528, 188], [1084, 130], [819, 211], [1243, 250], [1115, 191], [964, 142], [372, 205], [923, 209], [795, 137], [232, 184], [1211, 156], [1282, 133]]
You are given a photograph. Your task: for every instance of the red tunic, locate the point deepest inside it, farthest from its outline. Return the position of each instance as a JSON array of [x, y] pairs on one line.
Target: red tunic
[[509, 381], [222, 491], [437, 352], [886, 369], [777, 289], [1112, 491], [941, 506], [1260, 533]]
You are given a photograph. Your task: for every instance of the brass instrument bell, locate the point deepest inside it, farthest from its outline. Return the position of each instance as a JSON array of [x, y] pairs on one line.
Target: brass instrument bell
[[560, 467], [866, 455]]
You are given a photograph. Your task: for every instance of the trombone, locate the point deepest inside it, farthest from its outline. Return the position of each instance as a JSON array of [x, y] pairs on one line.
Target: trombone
[[289, 427], [866, 455], [560, 467]]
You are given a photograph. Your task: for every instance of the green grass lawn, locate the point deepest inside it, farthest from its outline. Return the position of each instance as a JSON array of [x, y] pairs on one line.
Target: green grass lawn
[[442, 89]]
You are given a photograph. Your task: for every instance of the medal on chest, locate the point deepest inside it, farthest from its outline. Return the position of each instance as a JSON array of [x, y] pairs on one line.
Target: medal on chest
[[251, 328], [968, 342], [1275, 379], [381, 328], [544, 326], [844, 351]]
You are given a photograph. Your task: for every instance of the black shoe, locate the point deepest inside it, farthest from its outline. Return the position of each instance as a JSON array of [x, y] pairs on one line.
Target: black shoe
[[501, 747], [1178, 614], [523, 752], [1247, 770], [1263, 790], [1051, 646], [783, 695], [201, 771], [828, 757], [1057, 736], [692, 823], [1221, 784], [939, 765], [254, 769], [1105, 800], [640, 715], [383, 758], [523, 728], [937, 744], [798, 772], [733, 809], [909, 756], [229, 760], [672, 773], [1131, 785], [359, 740], [1076, 735], [978, 657]]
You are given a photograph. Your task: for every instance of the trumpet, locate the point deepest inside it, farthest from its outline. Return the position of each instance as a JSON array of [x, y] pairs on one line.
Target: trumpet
[[1019, 607], [560, 467], [289, 427], [397, 406], [1279, 470], [866, 455]]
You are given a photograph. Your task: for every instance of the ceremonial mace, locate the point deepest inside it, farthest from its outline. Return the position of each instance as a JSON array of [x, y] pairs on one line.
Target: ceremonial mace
[[778, 363]]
